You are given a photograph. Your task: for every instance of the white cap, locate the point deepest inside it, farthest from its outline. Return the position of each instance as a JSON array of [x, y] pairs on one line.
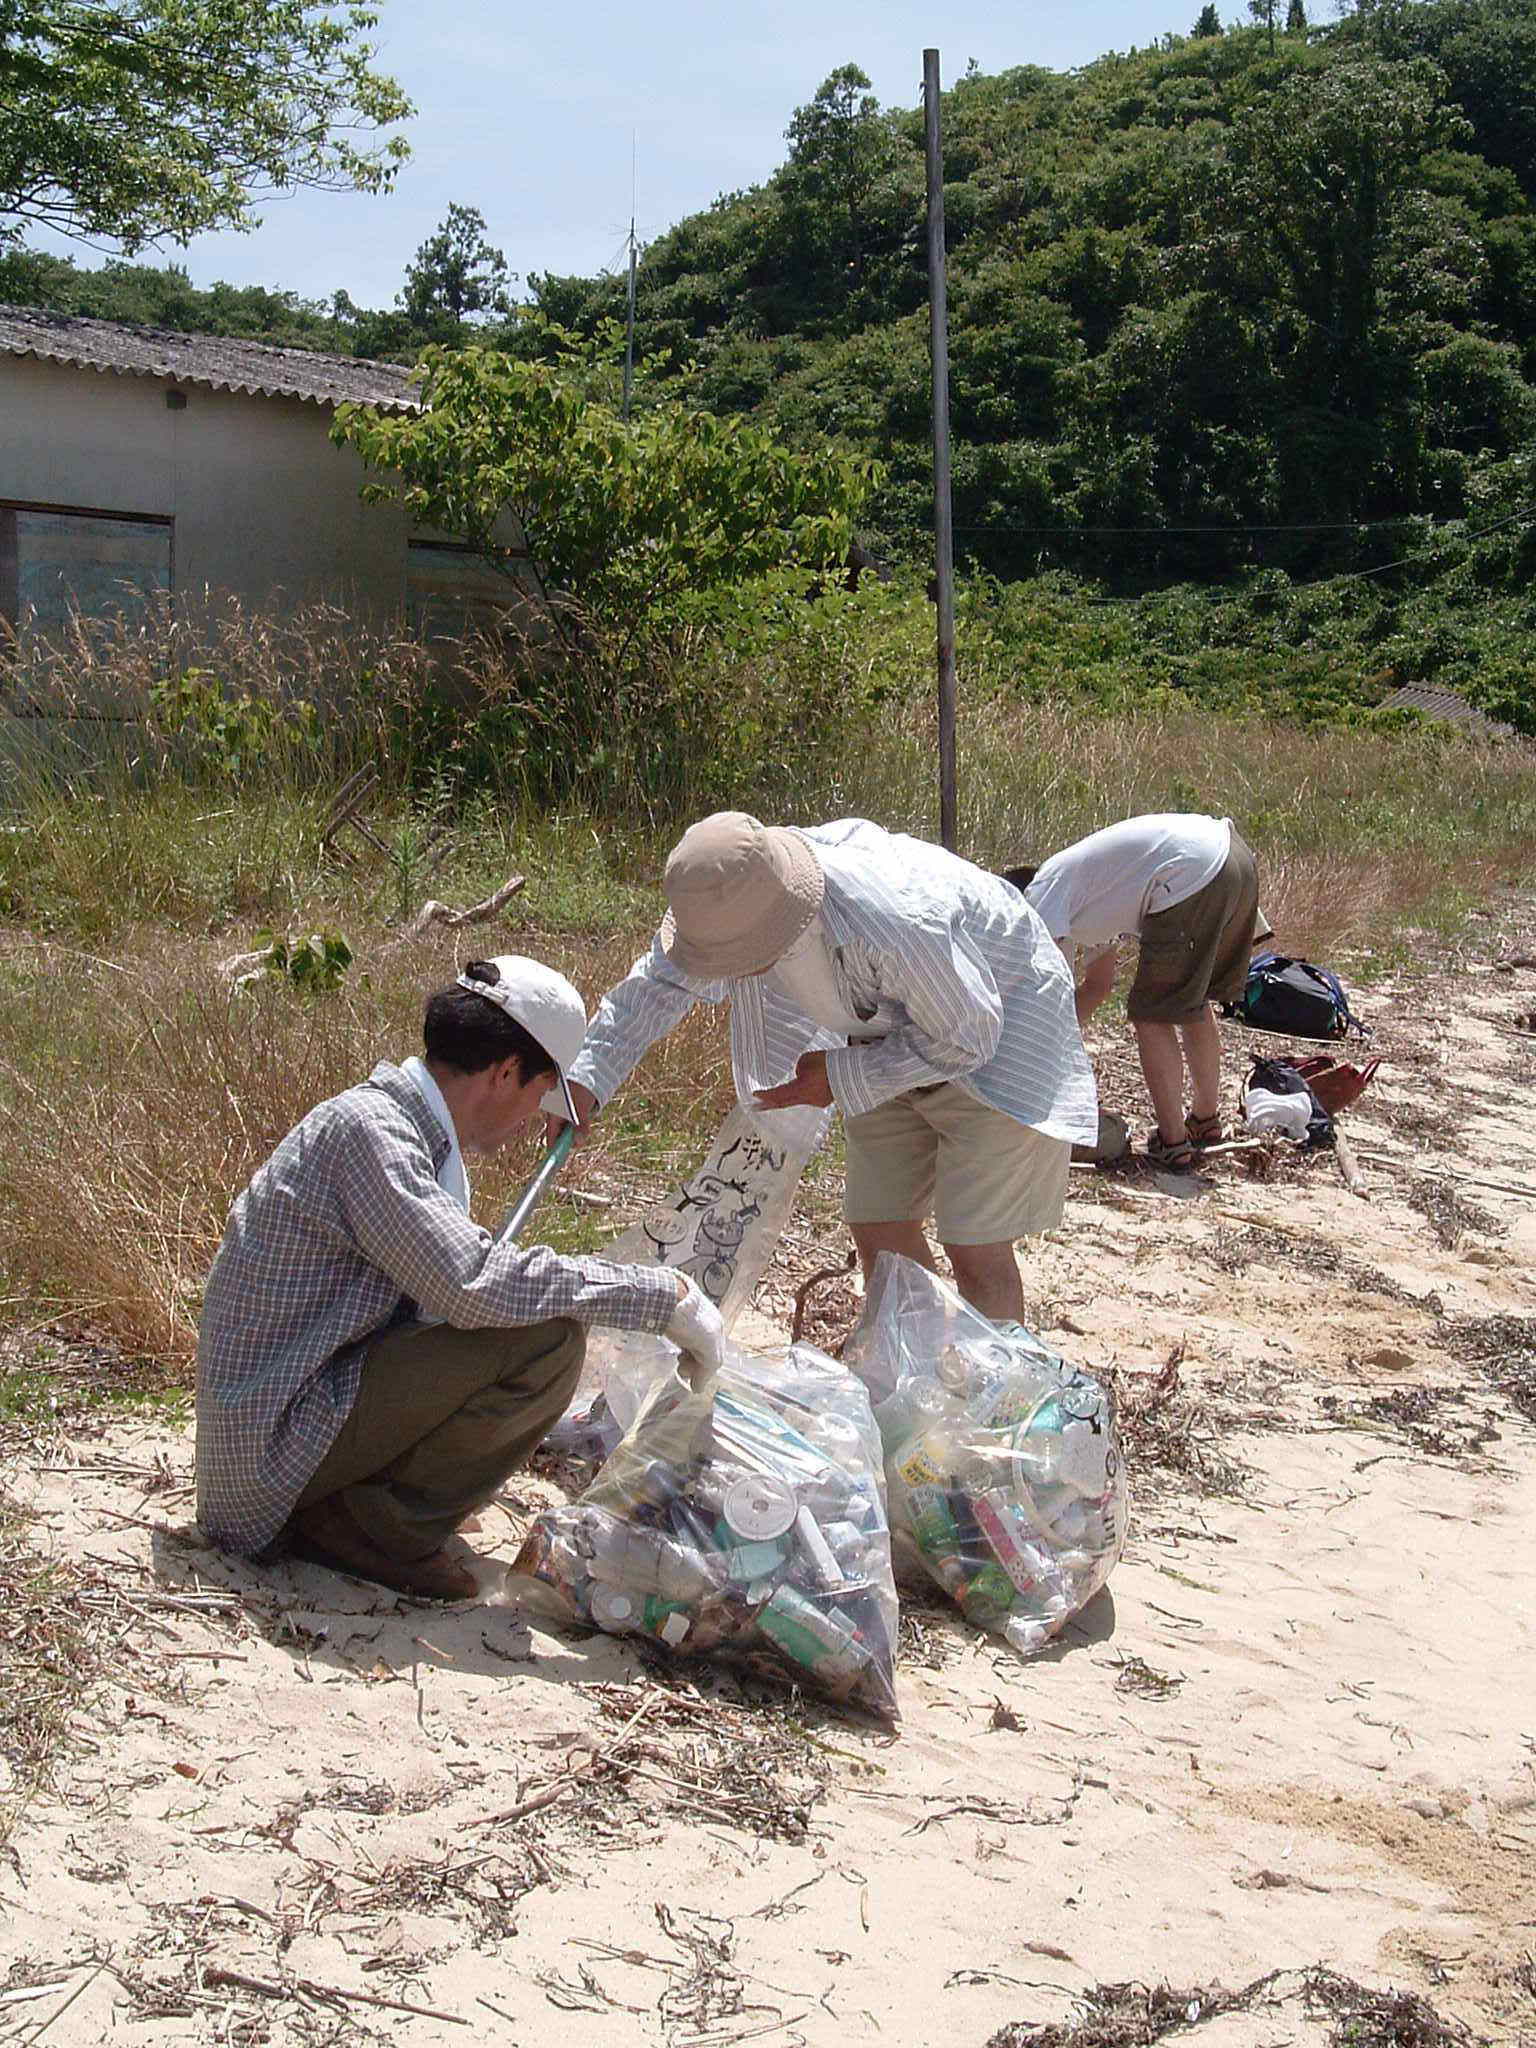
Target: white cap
[[549, 1010]]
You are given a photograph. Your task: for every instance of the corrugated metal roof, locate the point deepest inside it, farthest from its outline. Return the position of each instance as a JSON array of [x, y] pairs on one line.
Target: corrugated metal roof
[[1435, 701], [213, 361]]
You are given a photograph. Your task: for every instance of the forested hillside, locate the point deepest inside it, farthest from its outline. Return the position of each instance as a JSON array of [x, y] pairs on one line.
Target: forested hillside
[[1232, 319], [1240, 280]]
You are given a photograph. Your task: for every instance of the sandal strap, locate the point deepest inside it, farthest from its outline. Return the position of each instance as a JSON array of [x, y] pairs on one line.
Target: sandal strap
[[1205, 1130], [1177, 1157]]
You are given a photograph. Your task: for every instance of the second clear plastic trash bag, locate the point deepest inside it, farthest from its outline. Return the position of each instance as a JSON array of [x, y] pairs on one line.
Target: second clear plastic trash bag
[[749, 1521], [1002, 1461]]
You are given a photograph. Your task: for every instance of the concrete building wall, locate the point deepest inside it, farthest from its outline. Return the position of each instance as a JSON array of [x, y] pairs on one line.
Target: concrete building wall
[[264, 507]]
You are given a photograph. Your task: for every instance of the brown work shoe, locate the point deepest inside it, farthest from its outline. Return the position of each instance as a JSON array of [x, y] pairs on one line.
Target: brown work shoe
[[326, 1534]]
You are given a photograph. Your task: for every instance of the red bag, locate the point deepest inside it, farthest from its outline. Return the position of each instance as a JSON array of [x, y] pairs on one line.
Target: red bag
[[1335, 1083]]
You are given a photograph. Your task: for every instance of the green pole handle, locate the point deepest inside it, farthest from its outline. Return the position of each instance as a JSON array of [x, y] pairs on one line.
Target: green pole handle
[[538, 1187]]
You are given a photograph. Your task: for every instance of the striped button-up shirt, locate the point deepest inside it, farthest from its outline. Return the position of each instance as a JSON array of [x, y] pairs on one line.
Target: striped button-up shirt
[[979, 994], [341, 1234]]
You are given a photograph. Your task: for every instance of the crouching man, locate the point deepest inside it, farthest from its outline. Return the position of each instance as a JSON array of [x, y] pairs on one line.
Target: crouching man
[[371, 1363]]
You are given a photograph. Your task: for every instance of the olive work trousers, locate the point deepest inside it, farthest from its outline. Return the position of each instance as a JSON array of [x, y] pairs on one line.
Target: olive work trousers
[[441, 1417]]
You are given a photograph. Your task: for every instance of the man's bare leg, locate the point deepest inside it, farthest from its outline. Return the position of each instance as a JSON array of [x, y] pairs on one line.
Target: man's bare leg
[[910, 1239], [1202, 1055], [988, 1276], [1162, 1066]]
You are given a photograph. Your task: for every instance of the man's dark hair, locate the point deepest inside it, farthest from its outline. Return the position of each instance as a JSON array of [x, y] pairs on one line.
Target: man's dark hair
[[466, 1032], [1020, 877]]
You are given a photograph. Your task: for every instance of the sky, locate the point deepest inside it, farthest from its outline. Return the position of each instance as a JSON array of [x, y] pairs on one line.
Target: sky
[[536, 114]]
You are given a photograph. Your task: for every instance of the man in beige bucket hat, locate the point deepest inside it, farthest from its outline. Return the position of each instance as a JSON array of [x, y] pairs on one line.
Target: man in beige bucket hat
[[917, 994]]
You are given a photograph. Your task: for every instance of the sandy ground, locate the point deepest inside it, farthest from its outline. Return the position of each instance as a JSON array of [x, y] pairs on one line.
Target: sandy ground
[[1299, 1729]]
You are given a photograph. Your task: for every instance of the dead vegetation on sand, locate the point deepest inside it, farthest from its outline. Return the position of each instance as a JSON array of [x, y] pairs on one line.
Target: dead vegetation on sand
[[1503, 1349], [52, 1642], [1138, 2015], [1435, 1422], [1172, 1440]]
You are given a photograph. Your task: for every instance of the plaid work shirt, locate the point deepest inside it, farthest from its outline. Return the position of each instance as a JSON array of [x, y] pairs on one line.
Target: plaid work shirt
[[341, 1234]]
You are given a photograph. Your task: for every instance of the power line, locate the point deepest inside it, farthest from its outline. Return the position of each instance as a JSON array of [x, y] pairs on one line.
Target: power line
[[1526, 513], [1072, 532]]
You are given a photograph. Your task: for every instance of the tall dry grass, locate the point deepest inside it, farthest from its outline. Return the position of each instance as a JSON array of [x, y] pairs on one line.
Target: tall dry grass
[[138, 1091], [138, 1094], [1358, 833]]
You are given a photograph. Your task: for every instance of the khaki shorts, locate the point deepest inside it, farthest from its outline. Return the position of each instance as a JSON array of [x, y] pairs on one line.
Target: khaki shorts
[[1198, 951], [985, 1178]]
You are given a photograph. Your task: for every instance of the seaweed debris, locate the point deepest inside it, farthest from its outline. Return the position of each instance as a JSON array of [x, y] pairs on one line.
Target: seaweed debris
[[1503, 1349], [1138, 2015], [1137, 1676], [1168, 1434], [1423, 1417]]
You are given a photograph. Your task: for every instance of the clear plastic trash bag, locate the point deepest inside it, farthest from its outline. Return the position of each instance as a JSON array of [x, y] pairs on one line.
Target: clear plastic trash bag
[[720, 1227], [745, 1519], [1002, 1461]]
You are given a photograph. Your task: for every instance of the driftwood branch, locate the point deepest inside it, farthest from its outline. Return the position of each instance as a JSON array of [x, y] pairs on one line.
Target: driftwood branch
[[432, 912], [1349, 1166], [238, 1980]]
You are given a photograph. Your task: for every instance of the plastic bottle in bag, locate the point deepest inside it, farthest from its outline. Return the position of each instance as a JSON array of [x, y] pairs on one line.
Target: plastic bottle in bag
[[749, 1520], [623, 1554], [1001, 1461]]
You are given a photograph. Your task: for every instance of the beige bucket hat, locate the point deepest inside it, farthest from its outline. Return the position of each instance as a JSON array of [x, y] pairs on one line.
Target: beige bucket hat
[[741, 893]]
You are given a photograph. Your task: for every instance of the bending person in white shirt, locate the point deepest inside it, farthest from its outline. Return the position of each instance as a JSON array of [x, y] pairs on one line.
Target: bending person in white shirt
[[1186, 887], [918, 994]]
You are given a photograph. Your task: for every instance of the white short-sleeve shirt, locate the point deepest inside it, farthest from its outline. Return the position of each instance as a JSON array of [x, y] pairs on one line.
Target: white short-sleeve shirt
[[1107, 885]]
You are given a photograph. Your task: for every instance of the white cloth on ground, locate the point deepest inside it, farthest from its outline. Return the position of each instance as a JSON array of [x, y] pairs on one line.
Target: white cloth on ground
[[1289, 1115]]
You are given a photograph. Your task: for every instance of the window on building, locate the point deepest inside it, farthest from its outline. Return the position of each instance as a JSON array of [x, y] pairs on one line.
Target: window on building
[[451, 590], [54, 562]]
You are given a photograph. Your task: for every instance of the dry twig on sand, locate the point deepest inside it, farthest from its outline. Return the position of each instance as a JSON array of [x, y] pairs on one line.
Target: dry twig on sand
[[1037, 1813]]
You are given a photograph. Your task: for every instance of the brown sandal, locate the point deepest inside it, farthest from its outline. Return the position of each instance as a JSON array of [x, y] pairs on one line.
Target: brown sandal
[[1177, 1157], [1205, 1130]]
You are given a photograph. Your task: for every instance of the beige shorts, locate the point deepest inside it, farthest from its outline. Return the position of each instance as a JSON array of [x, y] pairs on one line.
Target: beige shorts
[[984, 1178]]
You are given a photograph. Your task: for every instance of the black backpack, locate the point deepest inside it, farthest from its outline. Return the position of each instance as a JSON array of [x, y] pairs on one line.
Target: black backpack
[[1294, 997]]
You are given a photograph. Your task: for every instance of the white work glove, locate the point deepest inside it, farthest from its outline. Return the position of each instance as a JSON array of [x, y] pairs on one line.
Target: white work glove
[[697, 1331]]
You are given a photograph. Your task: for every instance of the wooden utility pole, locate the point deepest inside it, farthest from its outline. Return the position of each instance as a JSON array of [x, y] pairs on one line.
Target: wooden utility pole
[[629, 311], [943, 525], [629, 325]]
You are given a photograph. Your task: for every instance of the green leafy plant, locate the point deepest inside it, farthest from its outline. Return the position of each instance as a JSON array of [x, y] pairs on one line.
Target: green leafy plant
[[622, 521], [231, 733], [156, 118], [315, 964]]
